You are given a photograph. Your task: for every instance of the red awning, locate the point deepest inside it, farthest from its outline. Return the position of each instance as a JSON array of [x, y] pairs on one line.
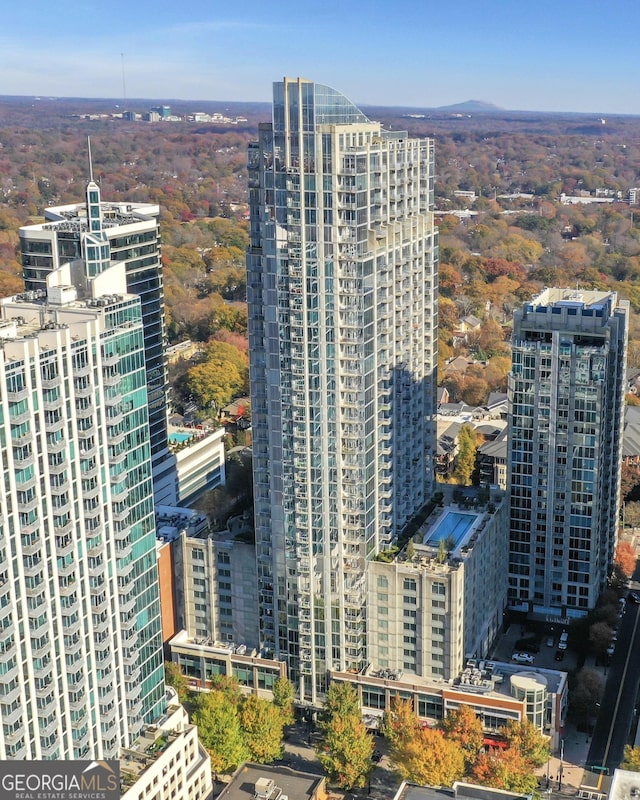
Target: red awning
[[495, 741]]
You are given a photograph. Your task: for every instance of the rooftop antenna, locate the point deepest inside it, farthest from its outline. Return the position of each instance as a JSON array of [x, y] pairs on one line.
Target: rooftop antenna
[[90, 159]]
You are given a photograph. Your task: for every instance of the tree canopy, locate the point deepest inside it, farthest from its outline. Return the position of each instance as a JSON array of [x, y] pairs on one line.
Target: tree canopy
[[346, 747]]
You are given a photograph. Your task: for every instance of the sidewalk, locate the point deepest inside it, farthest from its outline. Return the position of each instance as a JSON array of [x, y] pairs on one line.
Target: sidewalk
[[572, 755], [574, 752]]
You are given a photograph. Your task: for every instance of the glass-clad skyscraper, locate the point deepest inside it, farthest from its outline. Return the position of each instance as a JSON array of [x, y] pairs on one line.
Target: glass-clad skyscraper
[[342, 284], [81, 665], [566, 395], [92, 235]]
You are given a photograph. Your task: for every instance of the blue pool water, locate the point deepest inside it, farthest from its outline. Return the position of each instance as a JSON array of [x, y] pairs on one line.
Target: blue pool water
[[180, 437], [454, 525]]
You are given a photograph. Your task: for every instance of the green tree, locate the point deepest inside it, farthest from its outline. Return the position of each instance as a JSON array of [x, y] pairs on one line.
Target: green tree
[[219, 730], [427, 758], [262, 725], [464, 727], [342, 701], [229, 686], [631, 759], [465, 463], [178, 680], [600, 637], [585, 695], [283, 695], [346, 750]]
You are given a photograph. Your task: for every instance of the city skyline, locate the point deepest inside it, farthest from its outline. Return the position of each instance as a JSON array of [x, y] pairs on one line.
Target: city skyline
[[548, 57]]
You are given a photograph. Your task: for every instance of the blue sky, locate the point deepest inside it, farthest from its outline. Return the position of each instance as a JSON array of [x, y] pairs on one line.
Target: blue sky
[[552, 56]]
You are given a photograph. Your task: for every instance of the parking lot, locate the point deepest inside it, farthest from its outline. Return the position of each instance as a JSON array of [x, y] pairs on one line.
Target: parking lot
[[545, 657]]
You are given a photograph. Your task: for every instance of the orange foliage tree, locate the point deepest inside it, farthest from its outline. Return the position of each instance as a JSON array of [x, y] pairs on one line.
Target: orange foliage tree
[[625, 558], [427, 758], [464, 727], [505, 769]]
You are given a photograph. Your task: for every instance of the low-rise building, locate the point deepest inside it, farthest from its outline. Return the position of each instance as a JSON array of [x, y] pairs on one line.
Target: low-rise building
[[492, 461], [216, 583], [195, 464], [497, 692], [203, 659], [167, 760], [260, 782], [442, 599]]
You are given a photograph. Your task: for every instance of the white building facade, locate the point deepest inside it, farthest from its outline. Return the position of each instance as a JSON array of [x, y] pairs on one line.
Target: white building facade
[[342, 283], [80, 641]]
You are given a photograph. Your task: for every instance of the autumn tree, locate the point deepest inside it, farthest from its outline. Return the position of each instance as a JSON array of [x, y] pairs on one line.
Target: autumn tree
[[262, 725], [524, 737], [465, 462], [475, 390], [220, 732], [283, 695], [223, 374], [399, 721], [463, 726], [625, 558], [631, 759], [229, 686], [629, 473], [505, 769], [428, 758], [346, 747]]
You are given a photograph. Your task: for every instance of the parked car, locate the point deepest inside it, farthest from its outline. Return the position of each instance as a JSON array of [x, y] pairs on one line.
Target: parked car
[[522, 658], [560, 654], [611, 649], [634, 597], [550, 641]]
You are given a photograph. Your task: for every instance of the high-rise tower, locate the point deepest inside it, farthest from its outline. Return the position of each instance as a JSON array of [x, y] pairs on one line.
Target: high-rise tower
[[566, 394], [342, 283], [92, 235], [80, 639]]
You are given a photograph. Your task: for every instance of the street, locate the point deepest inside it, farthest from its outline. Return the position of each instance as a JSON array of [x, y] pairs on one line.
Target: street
[[613, 725]]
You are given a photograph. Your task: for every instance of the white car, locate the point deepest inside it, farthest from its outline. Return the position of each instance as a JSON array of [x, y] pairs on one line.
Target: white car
[[522, 658]]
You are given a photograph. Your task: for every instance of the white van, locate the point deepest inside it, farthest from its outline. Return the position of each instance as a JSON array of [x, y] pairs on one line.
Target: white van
[[564, 638]]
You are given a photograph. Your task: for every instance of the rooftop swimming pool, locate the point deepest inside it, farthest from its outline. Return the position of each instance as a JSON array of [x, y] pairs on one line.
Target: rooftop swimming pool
[[454, 525], [179, 437]]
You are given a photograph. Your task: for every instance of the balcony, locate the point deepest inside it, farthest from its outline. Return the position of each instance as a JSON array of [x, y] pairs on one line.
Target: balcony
[[82, 371], [111, 379], [23, 459], [115, 436], [16, 395], [120, 513], [19, 416]]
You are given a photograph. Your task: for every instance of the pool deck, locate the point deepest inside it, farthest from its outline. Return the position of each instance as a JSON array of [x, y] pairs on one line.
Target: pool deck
[[441, 527]]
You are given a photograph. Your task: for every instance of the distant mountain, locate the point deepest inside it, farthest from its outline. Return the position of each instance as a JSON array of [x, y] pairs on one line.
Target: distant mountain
[[470, 105]]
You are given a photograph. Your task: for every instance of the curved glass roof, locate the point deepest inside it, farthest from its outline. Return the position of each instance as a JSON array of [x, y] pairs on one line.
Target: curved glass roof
[[321, 105]]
